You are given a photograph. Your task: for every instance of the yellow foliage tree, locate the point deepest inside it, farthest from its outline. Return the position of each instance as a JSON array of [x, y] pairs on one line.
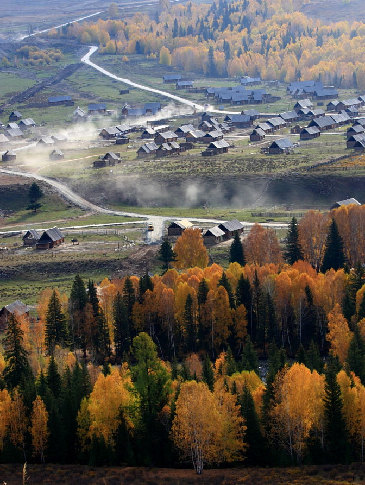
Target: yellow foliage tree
[[39, 428], [165, 56], [339, 335], [190, 250]]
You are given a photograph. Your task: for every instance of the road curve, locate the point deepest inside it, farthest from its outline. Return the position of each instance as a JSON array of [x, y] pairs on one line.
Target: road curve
[[197, 107], [158, 222]]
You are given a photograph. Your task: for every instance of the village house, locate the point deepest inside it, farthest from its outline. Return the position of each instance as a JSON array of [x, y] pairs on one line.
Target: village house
[[96, 108], [79, 115], [277, 123], [107, 160], [168, 149], [353, 139], [14, 133], [257, 135], [283, 145], [26, 124], [109, 133], [17, 308], [212, 236], [64, 100], [122, 140], [184, 85], [289, 116], [183, 130], [346, 202], [316, 113], [309, 133], [171, 78], [50, 239], [216, 148], [303, 103], [355, 130], [332, 105], [212, 136], [148, 133], [56, 155], [8, 156], [323, 123], [164, 137], [238, 121], [341, 118], [15, 116], [176, 228], [31, 237], [252, 113], [46, 140], [359, 145], [326, 93], [348, 103], [265, 127], [147, 150], [194, 136], [12, 126], [230, 228], [250, 81]]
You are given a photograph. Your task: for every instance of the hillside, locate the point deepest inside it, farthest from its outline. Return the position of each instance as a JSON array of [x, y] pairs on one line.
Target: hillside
[[335, 10]]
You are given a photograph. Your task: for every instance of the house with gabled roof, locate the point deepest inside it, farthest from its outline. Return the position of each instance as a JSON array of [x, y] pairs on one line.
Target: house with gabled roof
[[31, 237], [230, 228], [16, 308], [176, 228], [213, 235], [345, 202], [283, 145], [50, 238]]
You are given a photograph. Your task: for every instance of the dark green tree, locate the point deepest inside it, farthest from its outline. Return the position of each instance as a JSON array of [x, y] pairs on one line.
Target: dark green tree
[[145, 283], [256, 450], [335, 433], [212, 68], [122, 336], [223, 281], [56, 327], [35, 193], [293, 250], [166, 254], [53, 378], [77, 303], [17, 367], [249, 359], [190, 325], [313, 358], [334, 256], [129, 298], [236, 253], [356, 355], [231, 363]]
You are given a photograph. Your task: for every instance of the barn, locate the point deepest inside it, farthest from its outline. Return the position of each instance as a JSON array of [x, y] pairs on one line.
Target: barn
[[284, 145], [212, 236], [176, 228], [257, 135], [230, 228], [50, 239], [340, 203], [17, 308], [31, 237], [309, 133]]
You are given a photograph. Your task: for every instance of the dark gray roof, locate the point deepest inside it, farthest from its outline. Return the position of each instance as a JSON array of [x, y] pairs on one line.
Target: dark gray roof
[[97, 107], [53, 234], [59, 99], [311, 130], [283, 143], [231, 226], [289, 115], [219, 144], [17, 307], [237, 118], [13, 133], [172, 77], [33, 233]]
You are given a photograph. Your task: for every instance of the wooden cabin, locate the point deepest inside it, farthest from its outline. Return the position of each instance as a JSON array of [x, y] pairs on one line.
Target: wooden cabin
[[31, 237], [8, 156], [309, 133], [50, 239], [176, 228], [212, 236], [17, 308], [230, 228]]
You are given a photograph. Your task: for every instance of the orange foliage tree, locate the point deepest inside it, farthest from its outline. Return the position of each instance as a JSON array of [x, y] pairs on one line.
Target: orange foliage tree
[[190, 250]]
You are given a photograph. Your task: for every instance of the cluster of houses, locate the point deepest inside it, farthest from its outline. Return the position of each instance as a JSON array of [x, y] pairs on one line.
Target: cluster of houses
[[211, 236], [47, 239], [165, 141], [239, 95], [356, 135], [312, 89], [107, 160], [16, 128]]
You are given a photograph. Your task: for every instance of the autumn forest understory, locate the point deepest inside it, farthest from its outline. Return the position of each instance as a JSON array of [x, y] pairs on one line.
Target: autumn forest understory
[[260, 363]]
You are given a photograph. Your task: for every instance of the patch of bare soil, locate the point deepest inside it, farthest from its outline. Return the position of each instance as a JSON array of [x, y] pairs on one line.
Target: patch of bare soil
[[80, 475]]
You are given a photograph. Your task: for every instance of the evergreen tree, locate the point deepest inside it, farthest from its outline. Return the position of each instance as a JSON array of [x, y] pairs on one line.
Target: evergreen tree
[[301, 355], [175, 30], [99, 329], [313, 358], [356, 355], [231, 363], [334, 256], [203, 290], [122, 337], [256, 450], [145, 283], [223, 281], [236, 253], [334, 424], [208, 375], [190, 324], [249, 359], [293, 250], [166, 254], [53, 378], [35, 193], [77, 303], [56, 329], [212, 68], [361, 312], [129, 298], [17, 367]]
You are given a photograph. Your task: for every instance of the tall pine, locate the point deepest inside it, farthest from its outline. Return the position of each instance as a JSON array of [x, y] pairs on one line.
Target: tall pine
[[236, 253], [293, 250], [56, 329], [334, 256]]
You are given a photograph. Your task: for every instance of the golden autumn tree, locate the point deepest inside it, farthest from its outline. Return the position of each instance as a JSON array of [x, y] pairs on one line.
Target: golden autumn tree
[[5, 405], [207, 427], [190, 250], [39, 428], [165, 56], [18, 422], [299, 407], [339, 335], [262, 246]]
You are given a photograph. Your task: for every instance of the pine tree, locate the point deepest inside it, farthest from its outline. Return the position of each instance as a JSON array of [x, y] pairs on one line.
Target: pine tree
[[223, 281], [145, 283], [77, 303], [236, 253], [56, 329], [212, 68], [334, 424], [253, 436], [166, 254], [99, 329], [231, 363], [53, 378], [293, 250], [313, 358], [122, 337], [129, 298], [334, 256], [190, 324], [208, 376], [203, 290], [17, 367]]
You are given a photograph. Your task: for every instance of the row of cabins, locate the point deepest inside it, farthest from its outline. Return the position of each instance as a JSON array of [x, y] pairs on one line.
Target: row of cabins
[[273, 124], [13, 130], [313, 89], [356, 135], [164, 149], [48, 239], [239, 95], [221, 232], [141, 110]]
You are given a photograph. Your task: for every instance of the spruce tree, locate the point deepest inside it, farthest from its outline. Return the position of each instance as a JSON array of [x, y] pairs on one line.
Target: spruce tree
[[56, 329], [334, 424], [77, 303], [145, 283], [166, 254], [356, 355], [122, 337], [313, 358], [293, 250], [100, 338], [129, 298], [231, 363], [223, 281], [53, 378], [253, 436], [203, 290], [236, 254], [249, 359], [17, 367], [334, 256]]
